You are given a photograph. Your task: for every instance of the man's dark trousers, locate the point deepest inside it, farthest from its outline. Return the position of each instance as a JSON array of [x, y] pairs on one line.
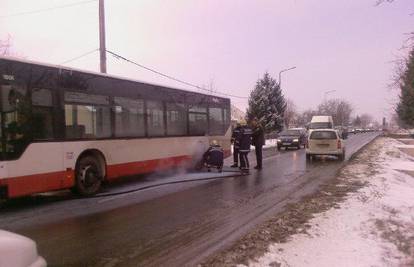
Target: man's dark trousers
[[235, 155], [244, 161], [259, 155]]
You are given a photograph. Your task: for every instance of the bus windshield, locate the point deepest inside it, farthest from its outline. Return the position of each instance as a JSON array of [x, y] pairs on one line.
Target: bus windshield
[[13, 122], [22, 119]]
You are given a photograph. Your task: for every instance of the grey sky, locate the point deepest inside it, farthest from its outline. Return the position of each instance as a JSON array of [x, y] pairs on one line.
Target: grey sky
[[342, 45]]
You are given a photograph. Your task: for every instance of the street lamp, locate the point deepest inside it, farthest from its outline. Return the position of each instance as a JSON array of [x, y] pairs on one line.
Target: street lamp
[[280, 75]]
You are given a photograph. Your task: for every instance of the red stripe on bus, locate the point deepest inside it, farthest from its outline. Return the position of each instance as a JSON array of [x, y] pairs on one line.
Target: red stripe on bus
[[140, 167], [43, 182], [29, 184]]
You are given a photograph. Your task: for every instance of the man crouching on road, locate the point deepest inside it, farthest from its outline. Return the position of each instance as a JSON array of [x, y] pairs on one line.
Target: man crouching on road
[[245, 141]]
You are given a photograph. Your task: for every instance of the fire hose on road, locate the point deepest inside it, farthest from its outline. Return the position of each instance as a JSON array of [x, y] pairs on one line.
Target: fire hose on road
[[233, 175]]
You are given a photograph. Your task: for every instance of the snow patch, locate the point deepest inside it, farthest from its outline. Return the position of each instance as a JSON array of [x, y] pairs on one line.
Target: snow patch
[[372, 227]]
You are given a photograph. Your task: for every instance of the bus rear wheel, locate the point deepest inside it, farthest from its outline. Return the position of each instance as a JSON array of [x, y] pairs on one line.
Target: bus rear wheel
[[88, 176]]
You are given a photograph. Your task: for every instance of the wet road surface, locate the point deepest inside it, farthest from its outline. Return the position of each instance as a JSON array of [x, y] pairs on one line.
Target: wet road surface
[[172, 225]]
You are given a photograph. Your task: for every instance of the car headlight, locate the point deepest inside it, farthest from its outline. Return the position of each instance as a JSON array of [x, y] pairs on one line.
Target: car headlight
[[279, 140], [296, 140]]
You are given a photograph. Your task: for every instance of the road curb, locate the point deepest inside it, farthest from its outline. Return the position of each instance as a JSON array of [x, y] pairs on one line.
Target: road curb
[[362, 148]]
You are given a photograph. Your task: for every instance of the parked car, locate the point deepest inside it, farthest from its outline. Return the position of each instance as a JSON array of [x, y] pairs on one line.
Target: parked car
[[343, 131], [325, 142], [294, 137], [18, 251]]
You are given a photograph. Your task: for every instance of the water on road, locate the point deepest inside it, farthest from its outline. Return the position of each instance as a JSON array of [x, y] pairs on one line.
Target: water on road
[[171, 225]]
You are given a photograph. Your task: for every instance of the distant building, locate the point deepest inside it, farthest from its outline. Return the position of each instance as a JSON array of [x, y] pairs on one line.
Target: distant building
[[237, 114]]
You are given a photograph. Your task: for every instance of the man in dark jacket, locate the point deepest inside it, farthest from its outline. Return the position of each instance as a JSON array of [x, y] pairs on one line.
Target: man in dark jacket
[[258, 140], [245, 141], [235, 141]]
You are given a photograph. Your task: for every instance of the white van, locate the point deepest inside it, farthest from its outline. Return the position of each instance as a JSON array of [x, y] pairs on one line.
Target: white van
[[321, 122]]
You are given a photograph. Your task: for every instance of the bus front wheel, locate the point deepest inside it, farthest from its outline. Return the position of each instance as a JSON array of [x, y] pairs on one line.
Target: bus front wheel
[[88, 176]]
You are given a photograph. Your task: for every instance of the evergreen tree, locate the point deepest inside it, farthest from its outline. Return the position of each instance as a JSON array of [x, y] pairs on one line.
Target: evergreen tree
[[267, 104], [405, 107]]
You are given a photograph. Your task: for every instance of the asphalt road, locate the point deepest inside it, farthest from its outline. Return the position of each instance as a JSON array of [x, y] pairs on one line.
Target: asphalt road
[[172, 225]]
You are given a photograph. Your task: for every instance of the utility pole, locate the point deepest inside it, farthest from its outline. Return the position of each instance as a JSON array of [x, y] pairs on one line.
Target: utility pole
[[102, 47]]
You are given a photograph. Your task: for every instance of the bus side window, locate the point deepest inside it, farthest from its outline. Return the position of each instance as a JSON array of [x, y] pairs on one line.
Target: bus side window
[[176, 119], [226, 114], [86, 121], [198, 122], [155, 119], [42, 114], [129, 117], [216, 121]]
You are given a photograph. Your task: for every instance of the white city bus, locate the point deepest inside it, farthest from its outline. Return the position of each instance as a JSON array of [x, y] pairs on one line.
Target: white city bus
[[65, 128]]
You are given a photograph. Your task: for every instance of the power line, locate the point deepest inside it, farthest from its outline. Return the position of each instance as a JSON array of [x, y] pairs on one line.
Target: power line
[[47, 9], [117, 56], [80, 56]]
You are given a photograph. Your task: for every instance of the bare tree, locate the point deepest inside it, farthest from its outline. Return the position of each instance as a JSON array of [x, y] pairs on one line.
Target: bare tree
[[339, 109], [291, 113], [366, 120], [5, 46], [305, 117], [380, 2]]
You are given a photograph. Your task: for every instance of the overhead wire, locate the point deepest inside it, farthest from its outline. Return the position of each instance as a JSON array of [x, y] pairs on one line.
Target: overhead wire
[[47, 9], [117, 56], [80, 56]]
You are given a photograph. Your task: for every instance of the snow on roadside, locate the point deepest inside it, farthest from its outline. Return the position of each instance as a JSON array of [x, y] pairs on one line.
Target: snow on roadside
[[269, 143], [372, 227]]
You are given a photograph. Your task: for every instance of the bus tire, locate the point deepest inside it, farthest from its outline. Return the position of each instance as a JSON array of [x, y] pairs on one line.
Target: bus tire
[[88, 176]]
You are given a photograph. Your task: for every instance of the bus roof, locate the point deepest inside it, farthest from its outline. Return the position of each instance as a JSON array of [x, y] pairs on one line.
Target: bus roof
[[9, 58]]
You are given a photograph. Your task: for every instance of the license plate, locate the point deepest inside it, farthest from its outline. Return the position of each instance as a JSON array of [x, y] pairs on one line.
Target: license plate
[[323, 145], [286, 144]]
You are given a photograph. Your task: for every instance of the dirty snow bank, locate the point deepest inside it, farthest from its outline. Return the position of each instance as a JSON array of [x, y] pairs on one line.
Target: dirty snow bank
[[374, 226]]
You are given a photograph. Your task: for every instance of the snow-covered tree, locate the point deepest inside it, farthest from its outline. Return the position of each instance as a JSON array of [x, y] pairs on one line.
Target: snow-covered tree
[[267, 104]]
